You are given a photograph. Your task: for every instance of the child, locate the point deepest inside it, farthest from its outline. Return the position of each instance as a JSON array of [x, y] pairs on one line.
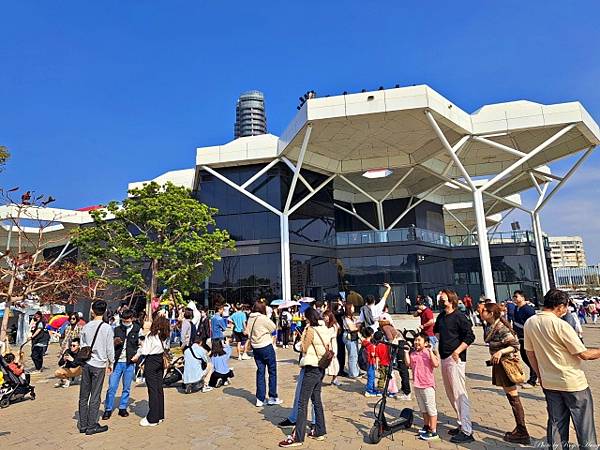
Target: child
[[383, 361], [220, 354], [14, 366], [370, 390], [422, 362]]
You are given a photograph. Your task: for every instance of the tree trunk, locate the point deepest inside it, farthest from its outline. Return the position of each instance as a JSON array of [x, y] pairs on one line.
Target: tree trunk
[[7, 305], [153, 287]]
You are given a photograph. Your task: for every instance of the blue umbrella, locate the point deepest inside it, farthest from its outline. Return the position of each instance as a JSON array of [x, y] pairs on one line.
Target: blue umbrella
[[277, 302]]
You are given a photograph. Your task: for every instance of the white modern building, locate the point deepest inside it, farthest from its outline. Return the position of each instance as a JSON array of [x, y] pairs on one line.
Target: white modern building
[[393, 185]]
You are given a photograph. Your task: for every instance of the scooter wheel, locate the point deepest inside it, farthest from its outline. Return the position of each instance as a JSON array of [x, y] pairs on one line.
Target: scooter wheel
[[4, 403], [32, 396], [408, 416], [375, 434]]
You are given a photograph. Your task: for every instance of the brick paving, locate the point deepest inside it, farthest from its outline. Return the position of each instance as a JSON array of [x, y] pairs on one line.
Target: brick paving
[[227, 418]]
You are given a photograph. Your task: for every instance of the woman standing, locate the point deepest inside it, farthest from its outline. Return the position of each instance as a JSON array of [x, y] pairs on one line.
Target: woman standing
[[314, 346], [71, 332], [153, 348], [260, 328], [39, 341], [504, 344], [334, 330], [350, 337]]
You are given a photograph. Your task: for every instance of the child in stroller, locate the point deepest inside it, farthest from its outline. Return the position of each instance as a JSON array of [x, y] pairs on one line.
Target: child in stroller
[[14, 388]]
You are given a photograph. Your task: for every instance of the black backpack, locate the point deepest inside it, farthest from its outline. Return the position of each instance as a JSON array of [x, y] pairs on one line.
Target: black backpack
[[284, 322], [363, 359]]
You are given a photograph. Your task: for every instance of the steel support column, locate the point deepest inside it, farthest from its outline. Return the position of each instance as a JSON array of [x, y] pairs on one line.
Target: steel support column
[[286, 274], [539, 250], [484, 248]]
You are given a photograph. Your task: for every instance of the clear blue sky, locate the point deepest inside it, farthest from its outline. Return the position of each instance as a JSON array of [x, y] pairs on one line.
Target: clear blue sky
[[96, 94]]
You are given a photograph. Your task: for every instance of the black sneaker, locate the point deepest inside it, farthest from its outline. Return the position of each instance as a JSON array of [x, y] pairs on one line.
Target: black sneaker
[[286, 423], [123, 413], [454, 431], [462, 438], [106, 415], [96, 429]]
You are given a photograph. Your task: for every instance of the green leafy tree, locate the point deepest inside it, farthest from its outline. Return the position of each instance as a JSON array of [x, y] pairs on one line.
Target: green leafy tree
[[158, 237]]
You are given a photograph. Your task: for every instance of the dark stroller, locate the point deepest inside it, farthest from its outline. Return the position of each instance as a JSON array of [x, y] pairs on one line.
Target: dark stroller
[[174, 373], [14, 389]]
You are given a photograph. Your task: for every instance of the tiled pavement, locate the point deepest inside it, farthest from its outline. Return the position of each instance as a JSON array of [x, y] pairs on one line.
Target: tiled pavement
[[227, 418]]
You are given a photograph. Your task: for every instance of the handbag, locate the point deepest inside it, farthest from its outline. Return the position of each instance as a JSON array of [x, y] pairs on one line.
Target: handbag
[[166, 358], [327, 357], [514, 370], [85, 353]]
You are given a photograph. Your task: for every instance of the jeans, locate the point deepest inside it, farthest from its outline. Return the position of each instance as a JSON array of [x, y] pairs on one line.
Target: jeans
[[352, 349], [453, 375], [37, 356], [121, 370], [370, 389], [564, 406], [433, 340], [293, 417], [90, 389], [532, 375], [311, 390], [265, 358]]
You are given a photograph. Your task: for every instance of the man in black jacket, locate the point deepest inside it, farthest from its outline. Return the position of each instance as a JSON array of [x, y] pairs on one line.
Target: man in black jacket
[[69, 367], [455, 334], [126, 345]]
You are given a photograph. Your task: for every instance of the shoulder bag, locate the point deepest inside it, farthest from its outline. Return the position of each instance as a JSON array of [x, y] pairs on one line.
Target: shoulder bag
[[325, 360], [85, 353], [512, 365]]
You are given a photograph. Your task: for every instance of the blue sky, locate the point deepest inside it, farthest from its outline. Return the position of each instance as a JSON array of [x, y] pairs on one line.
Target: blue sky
[[96, 94]]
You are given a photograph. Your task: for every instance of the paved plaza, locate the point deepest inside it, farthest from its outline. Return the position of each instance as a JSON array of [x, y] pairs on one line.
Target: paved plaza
[[227, 418]]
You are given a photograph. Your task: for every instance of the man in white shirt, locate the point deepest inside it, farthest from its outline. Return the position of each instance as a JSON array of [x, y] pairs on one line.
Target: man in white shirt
[[370, 317]]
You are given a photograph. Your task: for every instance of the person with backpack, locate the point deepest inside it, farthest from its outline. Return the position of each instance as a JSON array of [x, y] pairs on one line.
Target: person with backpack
[[126, 341], [371, 312], [368, 351], [285, 322], [40, 337], [196, 367]]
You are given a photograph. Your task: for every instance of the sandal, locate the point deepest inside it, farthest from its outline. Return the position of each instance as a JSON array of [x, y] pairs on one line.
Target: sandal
[[290, 442]]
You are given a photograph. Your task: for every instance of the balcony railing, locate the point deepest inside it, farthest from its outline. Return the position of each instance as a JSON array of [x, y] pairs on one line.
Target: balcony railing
[[431, 237]]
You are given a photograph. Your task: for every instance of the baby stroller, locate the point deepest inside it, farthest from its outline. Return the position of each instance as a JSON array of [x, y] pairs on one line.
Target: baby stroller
[[14, 389]]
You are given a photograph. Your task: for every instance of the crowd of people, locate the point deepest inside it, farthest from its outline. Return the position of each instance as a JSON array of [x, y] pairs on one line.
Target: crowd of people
[[334, 339]]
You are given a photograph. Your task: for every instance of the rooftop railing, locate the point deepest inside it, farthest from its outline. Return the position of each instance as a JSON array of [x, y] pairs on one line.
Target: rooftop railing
[[432, 237]]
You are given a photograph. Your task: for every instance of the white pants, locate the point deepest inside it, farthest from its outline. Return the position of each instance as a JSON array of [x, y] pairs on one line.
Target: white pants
[[453, 374]]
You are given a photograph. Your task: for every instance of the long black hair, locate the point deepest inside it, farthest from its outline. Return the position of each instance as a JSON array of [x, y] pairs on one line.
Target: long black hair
[[312, 317]]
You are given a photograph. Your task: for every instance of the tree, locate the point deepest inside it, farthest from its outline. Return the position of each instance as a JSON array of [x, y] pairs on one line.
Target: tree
[[4, 155], [160, 236], [28, 270]]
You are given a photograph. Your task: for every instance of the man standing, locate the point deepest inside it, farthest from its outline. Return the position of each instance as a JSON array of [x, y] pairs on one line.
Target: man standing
[[455, 334], [523, 312], [98, 336], [555, 352], [126, 344], [425, 314]]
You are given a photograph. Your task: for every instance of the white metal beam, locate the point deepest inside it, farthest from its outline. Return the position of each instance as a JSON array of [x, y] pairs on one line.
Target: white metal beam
[[297, 168], [259, 174], [484, 249], [370, 197], [250, 195], [499, 146], [504, 200], [529, 155], [291, 166], [535, 182], [309, 196], [412, 206], [355, 214], [457, 219], [400, 181]]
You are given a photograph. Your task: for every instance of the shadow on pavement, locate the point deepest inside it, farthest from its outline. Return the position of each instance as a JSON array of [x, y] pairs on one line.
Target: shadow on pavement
[[139, 408], [500, 392]]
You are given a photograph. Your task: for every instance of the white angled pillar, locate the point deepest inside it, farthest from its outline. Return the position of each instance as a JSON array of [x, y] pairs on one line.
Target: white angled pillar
[[286, 278], [540, 251], [484, 248]]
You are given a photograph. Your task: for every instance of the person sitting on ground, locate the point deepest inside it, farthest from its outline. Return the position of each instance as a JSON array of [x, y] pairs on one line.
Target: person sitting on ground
[[69, 367], [422, 361], [219, 356], [197, 367]]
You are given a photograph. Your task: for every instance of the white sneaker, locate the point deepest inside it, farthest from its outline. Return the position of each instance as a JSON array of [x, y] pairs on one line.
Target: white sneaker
[[66, 384], [245, 356], [405, 397], [274, 401], [226, 383], [259, 403], [144, 423], [528, 386], [239, 357], [206, 389]]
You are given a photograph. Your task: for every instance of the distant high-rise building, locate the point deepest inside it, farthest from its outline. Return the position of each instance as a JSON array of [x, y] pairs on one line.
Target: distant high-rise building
[[567, 251], [250, 116]]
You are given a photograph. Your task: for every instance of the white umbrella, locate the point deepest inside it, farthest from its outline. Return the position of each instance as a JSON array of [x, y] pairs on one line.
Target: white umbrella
[[307, 300], [288, 304]]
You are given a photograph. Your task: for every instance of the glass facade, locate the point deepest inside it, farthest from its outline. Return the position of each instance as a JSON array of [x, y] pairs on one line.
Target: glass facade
[[331, 251]]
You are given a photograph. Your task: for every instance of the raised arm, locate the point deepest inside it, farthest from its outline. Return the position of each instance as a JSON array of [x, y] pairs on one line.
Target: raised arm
[[386, 294]]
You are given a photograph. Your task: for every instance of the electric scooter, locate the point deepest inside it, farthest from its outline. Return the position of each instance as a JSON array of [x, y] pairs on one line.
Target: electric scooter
[[382, 425]]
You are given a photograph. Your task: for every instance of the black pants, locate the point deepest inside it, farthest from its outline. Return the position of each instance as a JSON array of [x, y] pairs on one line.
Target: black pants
[[92, 379], [341, 353], [153, 373], [216, 376], [285, 336], [311, 390], [37, 356], [532, 374], [404, 377]]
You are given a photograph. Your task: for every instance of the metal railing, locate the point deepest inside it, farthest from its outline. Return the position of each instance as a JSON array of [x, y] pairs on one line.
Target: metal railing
[[367, 237]]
